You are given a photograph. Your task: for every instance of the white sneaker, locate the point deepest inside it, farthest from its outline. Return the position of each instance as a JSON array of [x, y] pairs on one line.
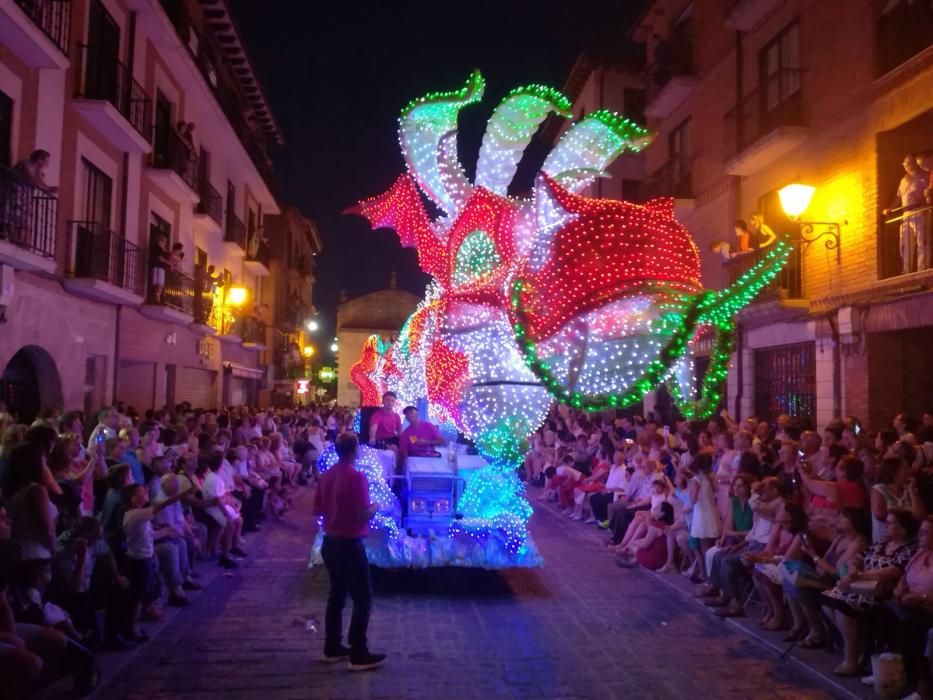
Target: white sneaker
[[590, 520], [576, 517]]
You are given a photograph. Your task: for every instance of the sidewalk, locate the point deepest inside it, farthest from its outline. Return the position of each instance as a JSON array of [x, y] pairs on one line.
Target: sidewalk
[[816, 662]]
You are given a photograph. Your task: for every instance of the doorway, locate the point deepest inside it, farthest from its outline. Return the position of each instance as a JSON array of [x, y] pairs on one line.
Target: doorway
[[30, 382]]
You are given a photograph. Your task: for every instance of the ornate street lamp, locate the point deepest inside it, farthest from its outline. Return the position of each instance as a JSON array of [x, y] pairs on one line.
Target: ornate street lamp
[[795, 199]]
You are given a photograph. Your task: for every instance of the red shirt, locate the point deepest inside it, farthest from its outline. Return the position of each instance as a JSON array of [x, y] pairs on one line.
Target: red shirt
[[342, 497], [423, 431], [388, 424]]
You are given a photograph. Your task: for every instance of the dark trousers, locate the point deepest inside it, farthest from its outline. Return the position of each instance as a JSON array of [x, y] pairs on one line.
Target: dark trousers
[[345, 559], [621, 520], [599, 504]]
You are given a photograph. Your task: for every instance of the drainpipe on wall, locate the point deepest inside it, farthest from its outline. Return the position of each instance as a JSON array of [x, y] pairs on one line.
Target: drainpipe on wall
[[124, 178], [837, 364], [737, 198]]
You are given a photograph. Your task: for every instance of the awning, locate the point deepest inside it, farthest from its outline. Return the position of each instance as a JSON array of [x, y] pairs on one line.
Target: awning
[[243, 371]]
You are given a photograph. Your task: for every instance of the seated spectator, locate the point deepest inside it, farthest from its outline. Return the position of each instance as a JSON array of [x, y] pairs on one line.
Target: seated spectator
[[87, 580], [865, 588], [637, 498], [909, 615], [896, 489], [809, 573], [649, 548], [223, 510], [767, 576]]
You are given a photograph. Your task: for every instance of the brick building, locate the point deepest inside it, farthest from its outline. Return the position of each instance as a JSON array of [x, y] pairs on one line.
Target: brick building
[[616, 83], [295, 241], [753, 95], [108, 87]]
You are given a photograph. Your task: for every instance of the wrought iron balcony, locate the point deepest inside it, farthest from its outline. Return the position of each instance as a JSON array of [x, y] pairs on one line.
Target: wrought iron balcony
[[252, 331], [211, 204], [905, 242], [175, 164], [787, 285], [179, 291], [770, 118], [103, 77], [673, 179], [106, 256], [53, 17], [257, 256], [28, 214], [235, 233]]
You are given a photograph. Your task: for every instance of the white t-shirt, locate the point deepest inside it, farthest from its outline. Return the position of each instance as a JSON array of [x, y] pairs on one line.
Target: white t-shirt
[[137, 528], [213, 486], [227, 473]]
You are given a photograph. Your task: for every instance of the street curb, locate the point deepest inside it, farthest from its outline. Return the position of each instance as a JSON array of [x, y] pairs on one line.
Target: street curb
[[829, 683]]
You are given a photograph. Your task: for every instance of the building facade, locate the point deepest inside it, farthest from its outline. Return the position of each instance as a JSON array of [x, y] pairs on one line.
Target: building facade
[[156, 127], [752, 95], [294, 241], [380, 313], [597, 83]]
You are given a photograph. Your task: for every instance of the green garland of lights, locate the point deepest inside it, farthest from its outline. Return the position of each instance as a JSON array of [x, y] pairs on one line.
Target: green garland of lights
[[469, 93], [710, 308], [555, 98]]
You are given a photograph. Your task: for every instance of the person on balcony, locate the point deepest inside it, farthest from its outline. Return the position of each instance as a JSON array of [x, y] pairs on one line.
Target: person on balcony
[[159, 262], [32, 170], [913, 234], [761, 235]]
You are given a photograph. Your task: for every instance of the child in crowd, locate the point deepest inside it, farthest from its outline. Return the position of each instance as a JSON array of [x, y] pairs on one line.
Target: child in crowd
[[141, 564]]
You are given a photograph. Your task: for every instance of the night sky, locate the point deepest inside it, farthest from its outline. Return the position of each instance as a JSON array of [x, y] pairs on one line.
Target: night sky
[[338, 73]]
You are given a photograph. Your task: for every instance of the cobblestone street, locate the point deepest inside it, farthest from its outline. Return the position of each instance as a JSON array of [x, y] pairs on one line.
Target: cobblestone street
[[578, 628]]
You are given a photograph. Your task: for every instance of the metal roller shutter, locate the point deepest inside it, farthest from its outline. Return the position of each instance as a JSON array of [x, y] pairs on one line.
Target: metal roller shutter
[[196, 386]]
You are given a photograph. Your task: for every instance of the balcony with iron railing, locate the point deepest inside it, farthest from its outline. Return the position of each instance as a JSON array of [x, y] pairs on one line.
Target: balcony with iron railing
[[785, 293], [28, 223], [203, 49], [765, 124], [104, 265], [113, 101], [174, 302], [902, 33], [253, 332], [37, 31], [211, 204], [670, 78], [673, 179], [257, 256], [174, 166], [235, 234], [905, 245]]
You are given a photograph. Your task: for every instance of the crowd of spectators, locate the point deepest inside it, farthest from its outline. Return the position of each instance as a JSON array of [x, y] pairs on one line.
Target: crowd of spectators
[[101, 524], [830, 533]]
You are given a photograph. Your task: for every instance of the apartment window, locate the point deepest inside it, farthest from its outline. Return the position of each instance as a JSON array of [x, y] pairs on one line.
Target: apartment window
[[678, 151], [97, 194], [633, 105], [231, 199], [780, 68], [785, 381], [6, 129], [161, 152], [158, 225]]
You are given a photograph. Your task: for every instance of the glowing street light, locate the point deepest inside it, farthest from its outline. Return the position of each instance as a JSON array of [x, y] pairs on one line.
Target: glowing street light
[[236, 295], [313, 325], [334, 347], [795, 199], [308, 350]]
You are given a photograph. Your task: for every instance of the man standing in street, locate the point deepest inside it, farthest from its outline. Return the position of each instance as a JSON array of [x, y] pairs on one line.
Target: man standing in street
[[342, 498]]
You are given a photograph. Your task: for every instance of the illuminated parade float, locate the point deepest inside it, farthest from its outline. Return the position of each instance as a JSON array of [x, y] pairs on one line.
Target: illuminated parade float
[[553, 297]]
